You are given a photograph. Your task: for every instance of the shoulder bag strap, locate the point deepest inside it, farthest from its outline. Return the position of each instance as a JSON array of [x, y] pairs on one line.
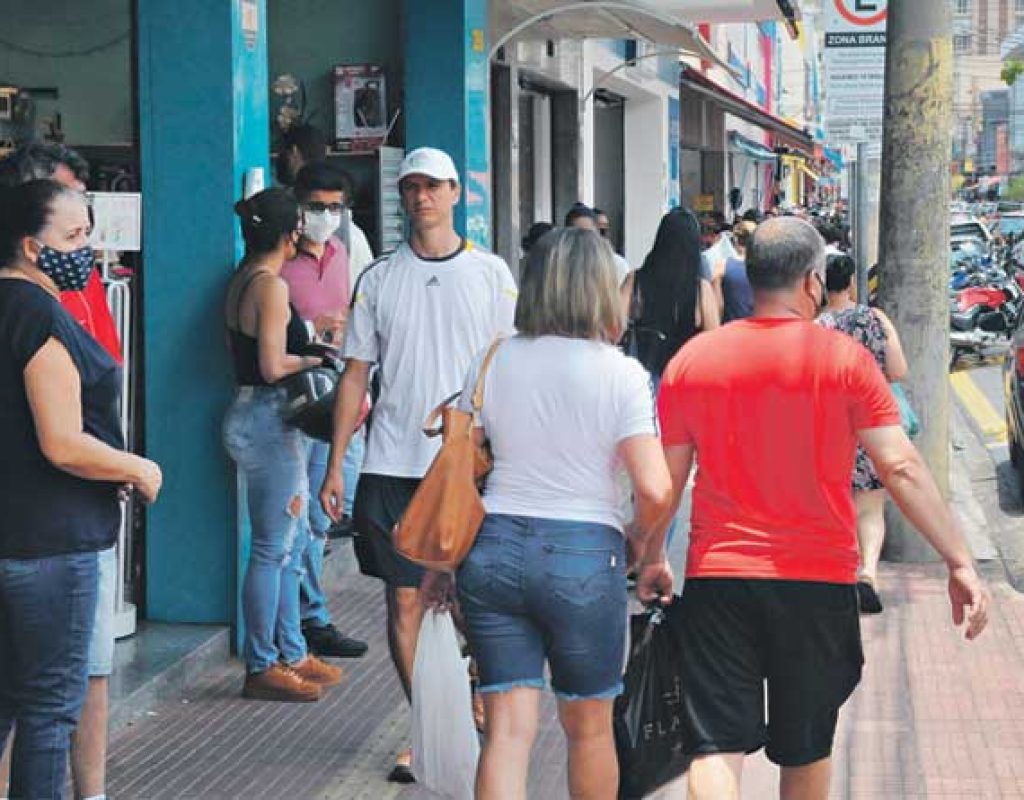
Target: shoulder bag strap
[[432, 427], [478, 391]]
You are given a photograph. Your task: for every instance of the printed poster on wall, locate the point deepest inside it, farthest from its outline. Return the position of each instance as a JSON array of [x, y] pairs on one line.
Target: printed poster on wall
[[360, 106]]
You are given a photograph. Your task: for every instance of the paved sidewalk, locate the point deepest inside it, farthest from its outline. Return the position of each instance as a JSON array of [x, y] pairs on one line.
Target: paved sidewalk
[[935, 716]]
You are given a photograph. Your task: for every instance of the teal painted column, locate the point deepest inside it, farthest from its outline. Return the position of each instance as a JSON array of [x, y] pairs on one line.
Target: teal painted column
[[447, 74], [204, 121]]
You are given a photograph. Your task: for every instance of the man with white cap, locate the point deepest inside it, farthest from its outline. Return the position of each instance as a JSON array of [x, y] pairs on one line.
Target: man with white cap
[[421, 314]]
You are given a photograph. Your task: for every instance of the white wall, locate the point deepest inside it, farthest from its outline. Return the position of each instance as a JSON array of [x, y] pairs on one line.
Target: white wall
[[646, 143]]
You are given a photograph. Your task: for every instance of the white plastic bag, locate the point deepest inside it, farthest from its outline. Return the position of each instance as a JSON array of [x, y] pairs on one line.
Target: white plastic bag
[[445, 745]]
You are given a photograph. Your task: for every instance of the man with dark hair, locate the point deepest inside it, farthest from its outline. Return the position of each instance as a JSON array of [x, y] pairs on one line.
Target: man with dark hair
[[580, 215], [319, 288], [303, 144], [36, 160], [48, 160], [300, 145], [770, 594]]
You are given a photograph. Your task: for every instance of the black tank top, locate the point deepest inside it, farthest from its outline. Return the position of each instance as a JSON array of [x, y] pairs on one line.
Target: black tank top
[[245, 353]]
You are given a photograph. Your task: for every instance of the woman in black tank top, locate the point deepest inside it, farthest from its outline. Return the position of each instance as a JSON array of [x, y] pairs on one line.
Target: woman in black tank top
[[265, 337]]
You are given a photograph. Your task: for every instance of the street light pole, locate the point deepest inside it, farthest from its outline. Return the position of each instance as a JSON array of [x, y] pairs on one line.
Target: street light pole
[[913, 271]]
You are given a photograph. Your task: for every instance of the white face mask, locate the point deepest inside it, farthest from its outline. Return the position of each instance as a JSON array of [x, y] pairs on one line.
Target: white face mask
[[319, 225]]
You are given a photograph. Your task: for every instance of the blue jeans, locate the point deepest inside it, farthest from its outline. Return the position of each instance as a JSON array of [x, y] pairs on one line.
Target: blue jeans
[[273, 458], [47, 608], [534, 590], [313, 601]]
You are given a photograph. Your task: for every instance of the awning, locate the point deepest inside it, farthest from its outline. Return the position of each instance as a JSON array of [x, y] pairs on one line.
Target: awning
[[836, 157], [749, 148], [787, 134], [656, 21], [810, 173]]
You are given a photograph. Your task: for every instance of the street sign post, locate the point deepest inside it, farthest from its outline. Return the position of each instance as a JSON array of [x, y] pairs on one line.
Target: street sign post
[[854, 69]]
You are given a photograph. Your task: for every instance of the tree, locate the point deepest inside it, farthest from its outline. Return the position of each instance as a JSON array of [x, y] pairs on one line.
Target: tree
[[1011, 71], [1015, 189]]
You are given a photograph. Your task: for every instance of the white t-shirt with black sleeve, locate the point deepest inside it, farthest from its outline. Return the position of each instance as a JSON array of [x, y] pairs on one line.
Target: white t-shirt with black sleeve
[[422, 320], [555, 410]]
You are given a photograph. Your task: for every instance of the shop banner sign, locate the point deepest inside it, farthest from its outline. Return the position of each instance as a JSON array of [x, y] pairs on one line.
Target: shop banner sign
[[117, 221], [854, 69]]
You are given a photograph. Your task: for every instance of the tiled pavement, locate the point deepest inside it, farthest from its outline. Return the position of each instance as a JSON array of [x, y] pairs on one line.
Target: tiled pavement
[[935, 717]]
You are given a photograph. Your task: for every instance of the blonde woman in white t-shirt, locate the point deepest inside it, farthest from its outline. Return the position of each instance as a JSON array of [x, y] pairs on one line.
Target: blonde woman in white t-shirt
[[565, 411]]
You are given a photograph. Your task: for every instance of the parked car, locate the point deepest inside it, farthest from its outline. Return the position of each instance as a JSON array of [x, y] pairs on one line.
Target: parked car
[[963, 227], [1013, 399], [1011, 223]]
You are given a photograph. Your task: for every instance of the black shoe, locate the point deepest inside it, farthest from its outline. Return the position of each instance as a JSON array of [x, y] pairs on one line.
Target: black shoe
[[342, 529], [401, 774], [326, 640], [402, 771], [868, 599]]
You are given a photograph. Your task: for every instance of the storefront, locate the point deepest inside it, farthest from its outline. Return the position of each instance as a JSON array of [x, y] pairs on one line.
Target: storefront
[[709, 143], [173, 98], [74, 83]]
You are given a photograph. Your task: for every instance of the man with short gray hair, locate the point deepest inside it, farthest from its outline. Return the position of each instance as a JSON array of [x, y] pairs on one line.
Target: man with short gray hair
[[773, 407]]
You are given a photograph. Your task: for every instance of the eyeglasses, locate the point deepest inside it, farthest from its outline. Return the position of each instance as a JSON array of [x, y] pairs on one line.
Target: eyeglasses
[[317, 207]]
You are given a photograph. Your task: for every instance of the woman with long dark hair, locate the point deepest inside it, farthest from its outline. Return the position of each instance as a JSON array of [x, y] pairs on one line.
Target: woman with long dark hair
[[267, 339], [670, 301]]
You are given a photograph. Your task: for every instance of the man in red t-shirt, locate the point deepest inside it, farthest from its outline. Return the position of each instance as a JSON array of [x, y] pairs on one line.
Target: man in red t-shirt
[[772, 407]]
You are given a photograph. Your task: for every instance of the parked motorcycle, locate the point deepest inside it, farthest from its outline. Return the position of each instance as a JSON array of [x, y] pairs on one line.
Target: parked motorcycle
[[983, 319]]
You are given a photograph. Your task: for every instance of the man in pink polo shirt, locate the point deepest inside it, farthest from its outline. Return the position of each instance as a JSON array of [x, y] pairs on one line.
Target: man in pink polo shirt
[[318, 286]]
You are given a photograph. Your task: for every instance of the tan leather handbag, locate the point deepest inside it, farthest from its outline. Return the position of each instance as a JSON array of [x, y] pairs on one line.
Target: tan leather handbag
[[441, 521]]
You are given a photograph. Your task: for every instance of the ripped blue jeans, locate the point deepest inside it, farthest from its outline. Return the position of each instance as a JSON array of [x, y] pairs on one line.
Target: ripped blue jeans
[[272, 456]]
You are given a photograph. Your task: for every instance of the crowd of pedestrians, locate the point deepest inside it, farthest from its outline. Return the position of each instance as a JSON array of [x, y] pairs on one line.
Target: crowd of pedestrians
[[741, 348]]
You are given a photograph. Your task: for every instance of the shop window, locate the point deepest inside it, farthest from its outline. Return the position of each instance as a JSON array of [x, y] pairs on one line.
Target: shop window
[[964, 6], [962, 43]]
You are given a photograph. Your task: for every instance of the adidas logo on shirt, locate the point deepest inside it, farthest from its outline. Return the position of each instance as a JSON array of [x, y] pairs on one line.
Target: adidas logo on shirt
[[434, 281]]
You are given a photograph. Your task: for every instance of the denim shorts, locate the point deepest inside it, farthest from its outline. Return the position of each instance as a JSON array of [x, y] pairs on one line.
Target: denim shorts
[[539, 590], [101, 646]]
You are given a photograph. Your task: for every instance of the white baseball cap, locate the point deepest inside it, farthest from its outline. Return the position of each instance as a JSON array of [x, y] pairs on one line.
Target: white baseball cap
[[431, 162]]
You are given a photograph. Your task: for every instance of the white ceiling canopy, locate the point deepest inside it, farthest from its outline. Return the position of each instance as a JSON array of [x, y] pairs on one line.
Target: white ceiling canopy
[[664, 22]]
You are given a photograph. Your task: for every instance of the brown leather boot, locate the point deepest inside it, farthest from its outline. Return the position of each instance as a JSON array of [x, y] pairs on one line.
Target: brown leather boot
[[280, 682], [312, 670]]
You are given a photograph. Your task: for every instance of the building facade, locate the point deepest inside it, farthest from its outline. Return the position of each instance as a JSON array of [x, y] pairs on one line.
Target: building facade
[[174, 98], [979, 29]]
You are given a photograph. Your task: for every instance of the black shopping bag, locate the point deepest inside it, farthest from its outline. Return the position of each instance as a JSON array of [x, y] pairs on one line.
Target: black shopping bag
[[648, 724]]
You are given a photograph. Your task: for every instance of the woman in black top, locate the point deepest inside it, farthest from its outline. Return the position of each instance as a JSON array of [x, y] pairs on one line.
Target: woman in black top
[[670, 300], [62, 463], [266, 338]]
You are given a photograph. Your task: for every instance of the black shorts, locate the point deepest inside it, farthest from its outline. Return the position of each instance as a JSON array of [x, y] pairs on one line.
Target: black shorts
[[380, 502], [800, 637]]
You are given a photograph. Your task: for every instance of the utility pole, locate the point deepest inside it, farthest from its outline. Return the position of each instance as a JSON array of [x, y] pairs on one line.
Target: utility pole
[[913, 273]]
